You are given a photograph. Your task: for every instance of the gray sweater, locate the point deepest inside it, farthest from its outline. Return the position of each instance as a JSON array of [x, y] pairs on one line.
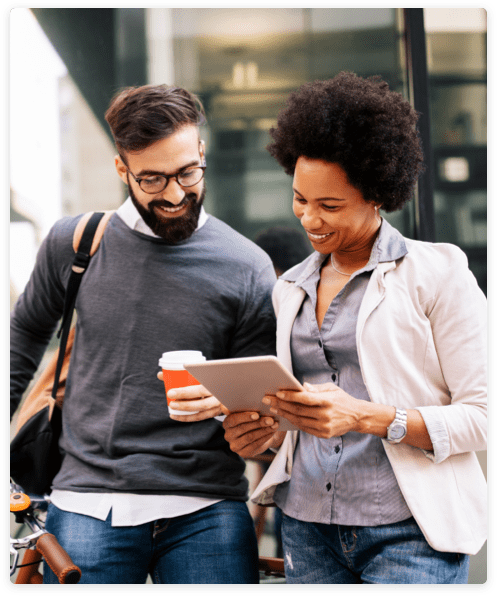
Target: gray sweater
[[139, 298]]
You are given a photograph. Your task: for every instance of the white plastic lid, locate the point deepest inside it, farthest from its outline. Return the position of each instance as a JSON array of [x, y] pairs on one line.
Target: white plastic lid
[[175, 360]]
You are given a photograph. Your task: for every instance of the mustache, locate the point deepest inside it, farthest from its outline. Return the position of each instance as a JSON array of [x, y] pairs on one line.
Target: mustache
[[191, 197]]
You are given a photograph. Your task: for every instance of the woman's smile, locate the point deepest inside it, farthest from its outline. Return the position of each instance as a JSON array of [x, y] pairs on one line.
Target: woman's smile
[[318, 237]]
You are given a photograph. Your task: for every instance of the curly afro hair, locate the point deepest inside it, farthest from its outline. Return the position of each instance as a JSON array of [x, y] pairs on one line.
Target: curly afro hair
[[360, 124]]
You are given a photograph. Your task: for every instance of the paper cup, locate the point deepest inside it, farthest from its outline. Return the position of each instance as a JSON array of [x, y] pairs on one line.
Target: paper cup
[[176, 376]]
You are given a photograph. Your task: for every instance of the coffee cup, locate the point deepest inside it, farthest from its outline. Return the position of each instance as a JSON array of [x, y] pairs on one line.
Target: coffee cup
[[176, 376]]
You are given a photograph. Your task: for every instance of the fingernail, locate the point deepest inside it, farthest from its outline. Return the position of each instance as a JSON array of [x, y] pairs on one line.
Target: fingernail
[[254, 416], [266, 400], [280, 394], [268, 421], [171, 393], [275, 426], [273, 410]]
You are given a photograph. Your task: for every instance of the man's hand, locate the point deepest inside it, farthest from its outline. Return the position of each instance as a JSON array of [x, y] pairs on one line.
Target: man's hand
[[248, 434], [194, 398]]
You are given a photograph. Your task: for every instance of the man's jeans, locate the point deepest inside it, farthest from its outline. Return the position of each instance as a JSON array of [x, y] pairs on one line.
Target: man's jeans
[[216, 545], [392, 554]]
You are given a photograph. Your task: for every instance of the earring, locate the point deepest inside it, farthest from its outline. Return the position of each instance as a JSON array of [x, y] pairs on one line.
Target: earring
[[378, 218]]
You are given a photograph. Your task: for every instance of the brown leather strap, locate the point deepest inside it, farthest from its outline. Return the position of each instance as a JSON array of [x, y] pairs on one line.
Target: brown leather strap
[[78, 232]]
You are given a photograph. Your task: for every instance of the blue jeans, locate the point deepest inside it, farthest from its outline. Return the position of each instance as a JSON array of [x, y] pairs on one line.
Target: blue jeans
[[216, 545], [391, 554]]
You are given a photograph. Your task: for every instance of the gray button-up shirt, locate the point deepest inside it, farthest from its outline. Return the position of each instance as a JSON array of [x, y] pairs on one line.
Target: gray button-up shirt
[[345, 480]]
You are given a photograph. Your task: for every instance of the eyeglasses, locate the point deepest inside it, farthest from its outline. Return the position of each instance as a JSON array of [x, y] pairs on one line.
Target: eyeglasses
[[157, 183]]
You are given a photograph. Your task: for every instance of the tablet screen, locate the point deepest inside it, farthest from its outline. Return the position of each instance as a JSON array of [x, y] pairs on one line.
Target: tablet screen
[[241, 383]]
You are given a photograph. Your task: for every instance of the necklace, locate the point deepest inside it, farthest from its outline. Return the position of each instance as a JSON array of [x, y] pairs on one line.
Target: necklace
[[341, 272]]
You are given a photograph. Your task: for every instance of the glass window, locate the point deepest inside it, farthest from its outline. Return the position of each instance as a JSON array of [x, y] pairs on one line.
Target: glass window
[[456, 43], [244, 63]]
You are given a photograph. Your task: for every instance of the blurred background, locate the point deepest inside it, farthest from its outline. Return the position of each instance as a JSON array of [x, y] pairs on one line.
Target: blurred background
[[67, 63]]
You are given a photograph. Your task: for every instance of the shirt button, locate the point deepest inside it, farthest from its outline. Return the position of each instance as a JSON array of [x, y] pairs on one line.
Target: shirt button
[[337, 449], [333, 377], [320, 343], [328, 486]]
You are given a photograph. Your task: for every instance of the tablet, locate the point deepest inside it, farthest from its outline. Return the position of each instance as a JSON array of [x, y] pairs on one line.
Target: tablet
[[241, 383]]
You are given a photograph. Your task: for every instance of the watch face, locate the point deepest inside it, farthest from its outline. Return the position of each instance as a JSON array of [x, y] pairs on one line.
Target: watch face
[[397, 431]]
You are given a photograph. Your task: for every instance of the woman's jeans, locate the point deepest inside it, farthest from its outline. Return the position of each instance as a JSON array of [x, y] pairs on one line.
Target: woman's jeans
[[391, 554], [216, 545]]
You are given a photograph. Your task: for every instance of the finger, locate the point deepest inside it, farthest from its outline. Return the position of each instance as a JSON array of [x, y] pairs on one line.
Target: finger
[[282, 407], [245, 428], [309, 387], [204, 415], [250, 442], [321, 387], [305, 423], [255, 448], [237, 418], [160, 376], [189, 405], [303, 397], [224, 410], [190, 392]]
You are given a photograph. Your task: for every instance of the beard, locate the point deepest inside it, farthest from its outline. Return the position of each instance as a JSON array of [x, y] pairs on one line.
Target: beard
[[171, 229]]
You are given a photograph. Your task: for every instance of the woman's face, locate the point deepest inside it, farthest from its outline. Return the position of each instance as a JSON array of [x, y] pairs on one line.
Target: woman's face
[[333, 213]]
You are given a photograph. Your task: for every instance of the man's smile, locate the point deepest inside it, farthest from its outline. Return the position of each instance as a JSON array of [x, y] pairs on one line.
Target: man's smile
[[172, 209]]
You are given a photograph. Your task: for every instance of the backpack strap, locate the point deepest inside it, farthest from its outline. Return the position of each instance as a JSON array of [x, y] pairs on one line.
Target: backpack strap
[[83, 241], [86, 240], [99, 232]]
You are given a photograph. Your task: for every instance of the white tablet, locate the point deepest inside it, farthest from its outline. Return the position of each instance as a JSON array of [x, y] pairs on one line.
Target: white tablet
[[241, 383]]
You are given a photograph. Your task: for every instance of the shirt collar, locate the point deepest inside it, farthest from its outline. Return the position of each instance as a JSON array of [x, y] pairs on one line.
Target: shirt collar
[[388, 246], [129, 214]]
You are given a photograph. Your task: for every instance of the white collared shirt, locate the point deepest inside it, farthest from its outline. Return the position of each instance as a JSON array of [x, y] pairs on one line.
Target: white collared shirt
[[131, 509]]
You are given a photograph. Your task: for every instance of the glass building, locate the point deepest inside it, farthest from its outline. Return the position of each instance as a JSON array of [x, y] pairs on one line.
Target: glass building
[[243, 63]]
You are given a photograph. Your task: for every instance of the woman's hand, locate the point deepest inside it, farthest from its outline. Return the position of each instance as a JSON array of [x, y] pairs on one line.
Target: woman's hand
[[248, 434], [321, 410], [194, 398], [327, 411]]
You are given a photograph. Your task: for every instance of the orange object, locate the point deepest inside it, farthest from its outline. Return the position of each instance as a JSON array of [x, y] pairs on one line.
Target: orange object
[[177, 378], [30, 574], [19, 502]]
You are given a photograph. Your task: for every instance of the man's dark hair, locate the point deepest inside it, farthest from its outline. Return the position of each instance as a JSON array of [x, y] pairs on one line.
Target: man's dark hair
[[369, 130], [140, 116]]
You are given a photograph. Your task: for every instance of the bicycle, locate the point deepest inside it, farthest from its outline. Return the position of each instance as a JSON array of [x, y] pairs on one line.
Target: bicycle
[[39, 544]]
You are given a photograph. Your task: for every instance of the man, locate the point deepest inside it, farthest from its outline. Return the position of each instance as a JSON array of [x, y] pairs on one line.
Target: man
[[140, 492]]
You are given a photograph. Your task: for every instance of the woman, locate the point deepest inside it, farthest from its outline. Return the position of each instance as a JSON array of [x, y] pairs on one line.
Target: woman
[[380, 484]]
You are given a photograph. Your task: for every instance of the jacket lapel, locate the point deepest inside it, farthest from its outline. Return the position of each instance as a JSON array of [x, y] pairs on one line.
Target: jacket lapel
[[290, 304], [375, 293]]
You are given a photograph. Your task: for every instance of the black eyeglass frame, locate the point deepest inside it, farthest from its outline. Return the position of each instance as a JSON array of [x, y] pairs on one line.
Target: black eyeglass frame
[[167, 178]]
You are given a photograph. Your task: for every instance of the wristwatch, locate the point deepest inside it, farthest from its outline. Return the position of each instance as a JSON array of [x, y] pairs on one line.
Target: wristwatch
[[398, 429]]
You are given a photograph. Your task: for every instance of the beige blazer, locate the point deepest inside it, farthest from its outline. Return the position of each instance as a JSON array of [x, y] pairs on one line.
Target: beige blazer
[[421, 339]]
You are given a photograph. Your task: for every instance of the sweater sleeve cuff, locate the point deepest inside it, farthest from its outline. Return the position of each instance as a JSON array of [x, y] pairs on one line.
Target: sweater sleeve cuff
[[437, 430]]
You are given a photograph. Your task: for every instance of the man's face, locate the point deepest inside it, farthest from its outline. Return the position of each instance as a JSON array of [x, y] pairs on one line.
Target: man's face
[[172, 213]]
